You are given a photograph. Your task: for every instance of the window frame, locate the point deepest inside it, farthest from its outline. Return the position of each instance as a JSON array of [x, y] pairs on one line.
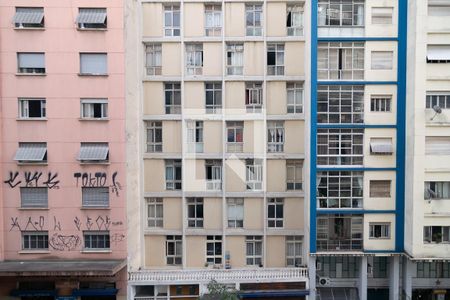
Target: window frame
[[172, 98], [104, 56], [275, 213], [24, 108], [254, 174], [194, 137], [277, 50], [154, 129], [441, 99], [382, 184], [254, 97], [194, 59], [214, 10], [295, 241], [36, 70], [32, 203], [214, 255], [381, 63], [87, 107], [340, 60], [93, 26], [291, 28], [236, 204], [437, 190], [342, 154], [355, 4], [276, 136], [30, 25], [195, 217], [89, 242], [169, 26], [340, 104], [433, 238], [381, 103], [213, 168], [173, 184], [215, 90], [384, 230], [155, 212], [175, 257], [236, 143], [38, 237], [153, 54], [340, 189], [98, 190], [294, 184], [254, 254], [235, 58], [253, 11], [294, 88]]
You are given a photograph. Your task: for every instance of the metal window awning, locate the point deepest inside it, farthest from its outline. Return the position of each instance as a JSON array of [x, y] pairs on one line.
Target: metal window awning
[[438, 52], [92, 16], [93, 152], [94, 292], [382, 147], [26, 15], [31, 152]]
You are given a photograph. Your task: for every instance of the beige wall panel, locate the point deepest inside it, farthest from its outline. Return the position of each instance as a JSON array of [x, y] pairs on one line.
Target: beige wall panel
[[294, 62], [254, 58], [254, 137], [276, 175], [213, 213], [276, 13], [275, 252], [172, 211], [171, 59], [212, 136], [294, 142], [276, 98], [194, 98], [235, 19], [195, 175], [253, 213], [172, 136], [236, 247], [154, 175], [155, 251], [235, 97], [212, 59], [193, 19], [293, 212], [153, 98], [235, 172], [152, 19], [195, 251]]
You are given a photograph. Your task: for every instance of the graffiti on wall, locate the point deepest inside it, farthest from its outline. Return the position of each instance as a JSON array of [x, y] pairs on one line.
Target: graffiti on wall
[[33, 179], [98, 179]]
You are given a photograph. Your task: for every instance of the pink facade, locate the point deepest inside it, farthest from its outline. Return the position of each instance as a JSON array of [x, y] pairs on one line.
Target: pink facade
[[63, 130]]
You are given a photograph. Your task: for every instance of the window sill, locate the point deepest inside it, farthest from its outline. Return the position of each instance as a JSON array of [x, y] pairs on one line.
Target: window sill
[[31, 74], [379, 238], [34, 252], [32, 163], [31, 119], [95, 208], [33, 208], [29, 28], [96, 251], [93, 119], [92, 75], [92, 29], [94, 163]]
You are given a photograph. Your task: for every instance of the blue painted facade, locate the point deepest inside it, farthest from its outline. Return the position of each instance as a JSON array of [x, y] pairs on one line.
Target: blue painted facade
[[399, 127]]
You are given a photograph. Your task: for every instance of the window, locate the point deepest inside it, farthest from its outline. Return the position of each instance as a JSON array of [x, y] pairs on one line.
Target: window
[[94, 108], [253, 19], [174, 250], [154, 136], [213, 175], [253, 250], [235, 59], [173, 174], [437, 190], [437, 145], [340, 60], [275, 212], [153, 59], [253, 97], [440, 99], [95, 196], [154, 212], [382, 60], [382, 15], [235, 132], [31, 197], [213, 97], [195, 212], [195, 136], [31, 108], [194, 59], [341, 13], [172, 94], [294, 91], [275, 136], [96, 240], [213, 20], [436, 234], [294, 20], [235, 212], [438, 8], [214, 249], [294, 251], [91, 18], [381, 146], [340, 146], [340, 189], [380, 188], [31, 63], [380, 103], [34, 240], [172, 20], [29, 17], [253, 174], [340, 104], [94, 153], [379, 230], [31, 153], [433, 269], [294, 175], [275, 59], [438, 54], [339, 232], [93, 64]]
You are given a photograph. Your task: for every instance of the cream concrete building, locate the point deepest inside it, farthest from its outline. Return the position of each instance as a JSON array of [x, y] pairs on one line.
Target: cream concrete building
[[216, 103]]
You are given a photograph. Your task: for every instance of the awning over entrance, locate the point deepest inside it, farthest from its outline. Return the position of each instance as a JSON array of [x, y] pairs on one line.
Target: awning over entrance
[[273, 294], [61, 267], [95, 292], [33, 293], [341, 293]]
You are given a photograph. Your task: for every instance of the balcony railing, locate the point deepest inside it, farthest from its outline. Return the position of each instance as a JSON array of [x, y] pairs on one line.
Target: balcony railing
[[224, 276], [339, 245]]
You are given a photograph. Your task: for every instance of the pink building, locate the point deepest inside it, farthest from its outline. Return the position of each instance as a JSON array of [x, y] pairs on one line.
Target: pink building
[[62, 197]]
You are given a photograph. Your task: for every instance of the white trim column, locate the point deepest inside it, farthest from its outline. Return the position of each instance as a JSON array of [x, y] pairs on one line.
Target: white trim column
[[362, 288], [312, 278], [394, 277], [408, 267]]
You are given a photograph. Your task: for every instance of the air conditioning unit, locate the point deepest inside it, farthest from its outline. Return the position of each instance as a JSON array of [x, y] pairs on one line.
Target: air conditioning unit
[[318, 266], [324, 281]]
